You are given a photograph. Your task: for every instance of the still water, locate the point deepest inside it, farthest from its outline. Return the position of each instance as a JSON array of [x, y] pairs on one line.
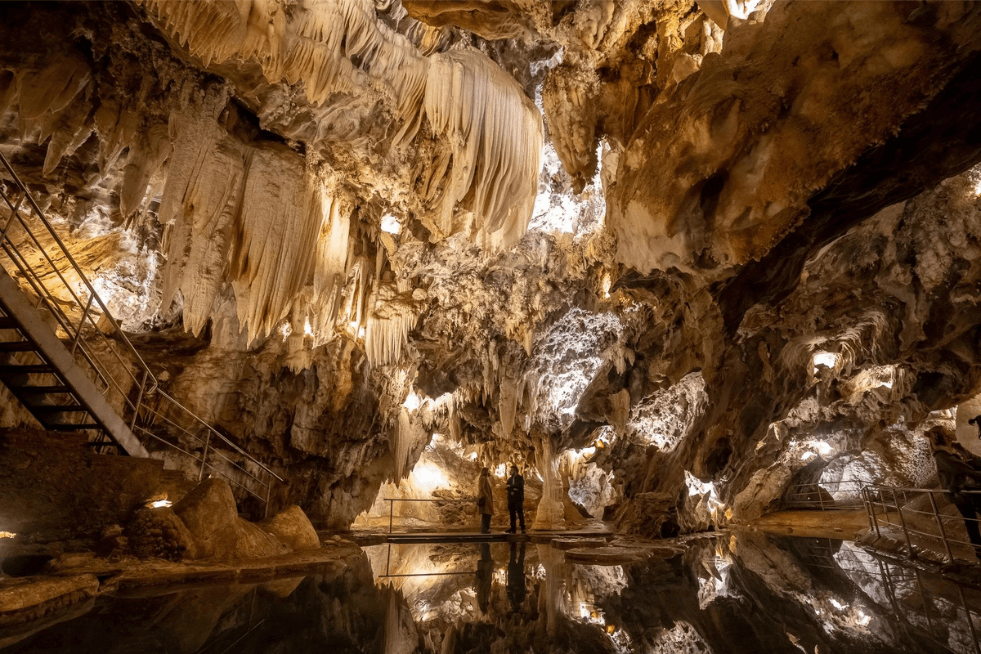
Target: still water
[[729, 593]]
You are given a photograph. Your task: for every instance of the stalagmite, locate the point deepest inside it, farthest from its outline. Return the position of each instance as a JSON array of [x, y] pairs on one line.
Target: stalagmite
[[551, 513]]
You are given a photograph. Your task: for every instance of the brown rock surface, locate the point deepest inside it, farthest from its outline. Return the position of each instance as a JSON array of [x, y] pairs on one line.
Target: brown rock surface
[[211, 517], [292, 528]]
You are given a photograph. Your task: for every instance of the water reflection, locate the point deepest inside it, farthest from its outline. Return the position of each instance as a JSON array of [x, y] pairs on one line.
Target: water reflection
[[729, 593]]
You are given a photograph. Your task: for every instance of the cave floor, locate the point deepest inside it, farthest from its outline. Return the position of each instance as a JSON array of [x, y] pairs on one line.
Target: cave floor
[[737, 592], [432, 534], [845, 525]]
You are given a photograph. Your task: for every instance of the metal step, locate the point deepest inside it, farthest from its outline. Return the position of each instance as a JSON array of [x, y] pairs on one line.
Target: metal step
[[7, 323], [68, 426], [40, 390], [17, 346], [25, 369], [56, 408]]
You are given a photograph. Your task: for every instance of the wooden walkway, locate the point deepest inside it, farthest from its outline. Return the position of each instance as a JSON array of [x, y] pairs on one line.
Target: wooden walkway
[[374, 538]]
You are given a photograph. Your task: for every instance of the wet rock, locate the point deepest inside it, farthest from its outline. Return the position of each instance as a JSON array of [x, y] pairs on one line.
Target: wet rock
[[154, 533], [292, 527], [17, 600], [210, 515]]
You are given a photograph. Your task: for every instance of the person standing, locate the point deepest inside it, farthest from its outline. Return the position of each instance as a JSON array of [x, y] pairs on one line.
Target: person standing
[[485, 500], [516, 498], [516, 576]]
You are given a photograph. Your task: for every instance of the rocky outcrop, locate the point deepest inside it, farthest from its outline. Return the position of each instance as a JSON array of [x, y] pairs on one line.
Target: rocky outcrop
[[292, 528], [700, 239], [211, 517]]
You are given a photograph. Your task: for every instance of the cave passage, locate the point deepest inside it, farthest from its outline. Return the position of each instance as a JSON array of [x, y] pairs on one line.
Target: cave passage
[[304, 302]]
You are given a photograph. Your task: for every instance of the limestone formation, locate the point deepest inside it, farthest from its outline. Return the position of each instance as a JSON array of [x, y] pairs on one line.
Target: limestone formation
[[668, 257]]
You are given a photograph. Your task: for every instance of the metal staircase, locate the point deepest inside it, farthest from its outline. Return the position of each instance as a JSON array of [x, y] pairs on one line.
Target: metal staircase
[[65, 358], [42, 373]]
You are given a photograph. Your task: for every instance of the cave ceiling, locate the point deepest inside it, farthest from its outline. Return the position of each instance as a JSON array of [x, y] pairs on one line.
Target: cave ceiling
[[338, 227]]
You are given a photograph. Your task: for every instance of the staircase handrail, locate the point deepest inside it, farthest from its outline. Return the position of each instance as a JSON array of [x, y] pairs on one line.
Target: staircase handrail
[[149, 385], [116, 330]]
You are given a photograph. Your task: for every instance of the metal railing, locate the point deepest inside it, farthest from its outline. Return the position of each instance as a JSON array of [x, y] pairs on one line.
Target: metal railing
[[392, 500], [833, 495], [41, 260], [915, 512]]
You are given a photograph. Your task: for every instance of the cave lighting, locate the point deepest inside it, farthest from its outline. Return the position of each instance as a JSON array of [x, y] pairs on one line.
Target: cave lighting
[[606, 285], [838, 605], [825, 359], [7, 534], [390, 224], [286, 330], [501, 471], [426, 477], [307, 329], [822, 447], [159, 504], [412, 401]]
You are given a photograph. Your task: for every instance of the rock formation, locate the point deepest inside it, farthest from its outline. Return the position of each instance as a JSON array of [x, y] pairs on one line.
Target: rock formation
[[655, 253]]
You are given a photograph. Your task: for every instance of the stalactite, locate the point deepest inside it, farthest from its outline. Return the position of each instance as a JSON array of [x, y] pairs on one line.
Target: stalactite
[[197, 212], [330, 47], [392, 314], [510, 392], [320, 301], [495, 135]]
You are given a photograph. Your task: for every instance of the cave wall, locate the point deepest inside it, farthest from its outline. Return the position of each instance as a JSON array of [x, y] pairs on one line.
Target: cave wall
[[336, 229]]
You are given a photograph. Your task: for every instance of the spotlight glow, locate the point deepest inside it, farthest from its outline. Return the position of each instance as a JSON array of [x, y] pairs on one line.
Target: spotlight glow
[[412, 401], [824, 359], [158, 504], [390, 224]]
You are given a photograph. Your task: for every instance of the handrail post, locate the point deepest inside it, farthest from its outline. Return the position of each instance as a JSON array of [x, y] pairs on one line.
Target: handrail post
[[139, 402], [940, 523], [970, 623], [81, 323], [391, 514], [902, 521], [268, 493], [870, 511], [10, 221], [820, 496], [204, 456]]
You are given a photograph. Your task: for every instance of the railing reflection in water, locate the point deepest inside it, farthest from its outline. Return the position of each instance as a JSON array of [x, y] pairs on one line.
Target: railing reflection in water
[[917, 514], [921, 605]]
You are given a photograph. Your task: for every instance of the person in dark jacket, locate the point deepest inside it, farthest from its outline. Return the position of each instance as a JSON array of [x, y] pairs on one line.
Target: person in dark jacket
[[516, 576], [516, 498], [957, 476]]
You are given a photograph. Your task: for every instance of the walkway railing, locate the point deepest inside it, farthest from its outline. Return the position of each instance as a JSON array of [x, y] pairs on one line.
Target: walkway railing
[[37, 256], [915, 512], [843, 494], [392, 500]]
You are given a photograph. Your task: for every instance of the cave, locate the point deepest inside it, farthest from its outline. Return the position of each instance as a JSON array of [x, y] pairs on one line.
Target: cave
[[302, 301]]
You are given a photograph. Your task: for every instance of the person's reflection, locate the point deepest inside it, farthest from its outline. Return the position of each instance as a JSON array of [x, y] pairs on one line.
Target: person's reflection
[[516, 576], [485, 572]]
